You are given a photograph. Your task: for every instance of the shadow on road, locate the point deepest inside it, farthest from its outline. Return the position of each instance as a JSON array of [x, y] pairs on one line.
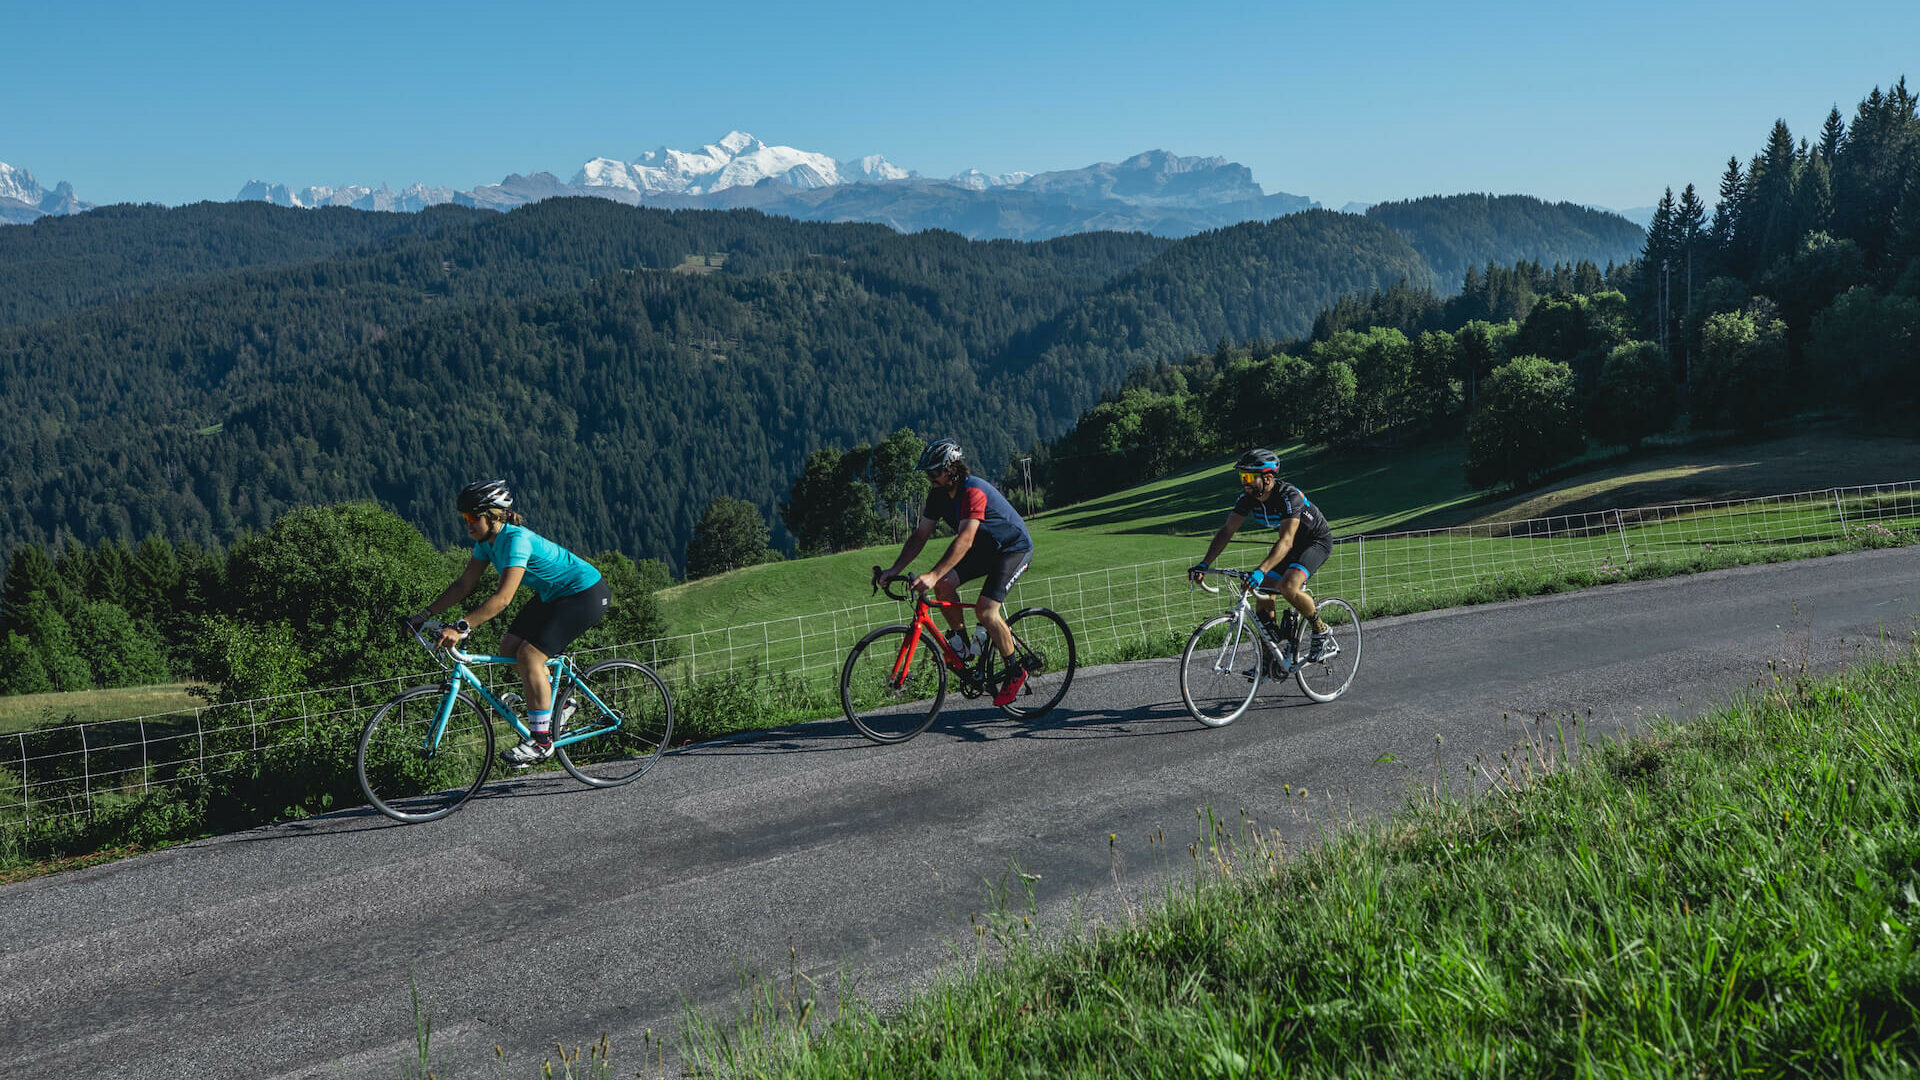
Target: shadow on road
[[366, 818]]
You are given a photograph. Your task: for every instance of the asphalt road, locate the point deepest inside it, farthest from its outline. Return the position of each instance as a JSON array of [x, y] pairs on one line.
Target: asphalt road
[[545, 913]]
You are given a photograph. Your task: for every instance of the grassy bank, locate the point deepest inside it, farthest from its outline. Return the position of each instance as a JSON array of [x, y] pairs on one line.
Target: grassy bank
[[25, 712], [1737, 896]]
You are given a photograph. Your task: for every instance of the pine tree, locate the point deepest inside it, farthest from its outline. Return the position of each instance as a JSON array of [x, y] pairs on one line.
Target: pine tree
[[1726, 228], [1770, 187], [1833, 135]]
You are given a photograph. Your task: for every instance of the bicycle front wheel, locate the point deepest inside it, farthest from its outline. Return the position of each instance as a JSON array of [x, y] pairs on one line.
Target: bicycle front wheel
[[888, 696], [412, 769], [1220, 670], [623, 739], [1043, 643], [1328, 678]]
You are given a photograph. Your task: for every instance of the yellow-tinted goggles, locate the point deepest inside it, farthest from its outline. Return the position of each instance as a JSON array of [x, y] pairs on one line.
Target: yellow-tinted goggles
[[1250, 477]]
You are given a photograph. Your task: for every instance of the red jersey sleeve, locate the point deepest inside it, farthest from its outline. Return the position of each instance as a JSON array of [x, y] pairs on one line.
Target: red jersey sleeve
[[973, 505]]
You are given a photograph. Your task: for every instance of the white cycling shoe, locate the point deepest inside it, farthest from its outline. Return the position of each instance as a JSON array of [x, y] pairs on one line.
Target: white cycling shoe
[[526, 752]]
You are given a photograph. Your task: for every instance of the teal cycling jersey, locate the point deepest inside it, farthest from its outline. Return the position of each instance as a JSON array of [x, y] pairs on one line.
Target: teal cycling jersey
[[552, 570]]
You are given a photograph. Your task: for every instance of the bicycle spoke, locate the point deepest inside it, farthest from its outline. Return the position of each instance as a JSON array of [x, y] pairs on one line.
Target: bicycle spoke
[[1326, 679], [412, 772], [1044, 646], [1220, 670], [888, 696], [628, 720]]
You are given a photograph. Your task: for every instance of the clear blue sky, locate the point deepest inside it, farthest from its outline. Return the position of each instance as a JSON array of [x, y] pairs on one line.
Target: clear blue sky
[[1603, 104]]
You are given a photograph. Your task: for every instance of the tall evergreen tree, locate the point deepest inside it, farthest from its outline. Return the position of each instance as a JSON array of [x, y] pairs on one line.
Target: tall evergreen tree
[[1833, 135], [1770, 192], [1726, 228]]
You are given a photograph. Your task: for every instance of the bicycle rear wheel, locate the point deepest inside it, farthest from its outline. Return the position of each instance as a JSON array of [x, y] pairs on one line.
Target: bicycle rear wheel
[[1220, 670], [1041, 641], [624, 741], [409, 775], [1324, 680], [888, 697]]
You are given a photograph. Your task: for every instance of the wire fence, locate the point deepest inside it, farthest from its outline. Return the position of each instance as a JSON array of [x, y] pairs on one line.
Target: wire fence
[[1115, 613]]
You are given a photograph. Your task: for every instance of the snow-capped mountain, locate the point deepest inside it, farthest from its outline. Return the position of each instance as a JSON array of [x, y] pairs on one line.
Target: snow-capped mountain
[[739, 160], [358, 196], [22, 199], [1155, 191], [975, 180]]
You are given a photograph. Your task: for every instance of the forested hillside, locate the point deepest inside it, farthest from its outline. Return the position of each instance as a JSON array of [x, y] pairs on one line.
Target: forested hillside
[[1801, 295], [62, 264], [1458, 232], [622, 366]]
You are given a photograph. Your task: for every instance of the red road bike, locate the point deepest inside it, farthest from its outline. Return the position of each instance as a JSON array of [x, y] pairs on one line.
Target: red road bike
[[895, 679]]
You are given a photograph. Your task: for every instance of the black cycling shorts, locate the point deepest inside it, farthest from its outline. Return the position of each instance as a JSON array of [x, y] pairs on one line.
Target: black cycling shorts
[[551, 625], [1000, 568], [1308, 554]]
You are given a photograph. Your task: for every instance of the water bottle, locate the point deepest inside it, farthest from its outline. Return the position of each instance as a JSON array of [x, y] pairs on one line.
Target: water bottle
[[979, 640]]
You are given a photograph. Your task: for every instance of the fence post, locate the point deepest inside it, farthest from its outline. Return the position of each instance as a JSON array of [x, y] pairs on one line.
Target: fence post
[[1841, 510], [86, 770], [146, 772], [200, 733], [26, 798], [1360, 549], [1626, 553]]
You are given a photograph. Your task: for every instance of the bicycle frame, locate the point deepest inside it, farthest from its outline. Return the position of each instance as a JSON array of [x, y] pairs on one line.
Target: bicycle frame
[[460, 673], [923, 622], [1246, 622]]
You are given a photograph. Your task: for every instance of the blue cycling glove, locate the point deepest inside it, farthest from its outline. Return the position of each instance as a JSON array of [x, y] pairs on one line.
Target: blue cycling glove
[[1254, 579]]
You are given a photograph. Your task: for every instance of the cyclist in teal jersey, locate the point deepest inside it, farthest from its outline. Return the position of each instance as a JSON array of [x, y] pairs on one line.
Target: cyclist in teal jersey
[[570, 598]]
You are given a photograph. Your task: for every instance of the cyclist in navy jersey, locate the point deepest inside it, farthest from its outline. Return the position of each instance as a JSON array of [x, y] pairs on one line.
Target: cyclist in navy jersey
[[571, 598], [989, 540], [1304, 543]]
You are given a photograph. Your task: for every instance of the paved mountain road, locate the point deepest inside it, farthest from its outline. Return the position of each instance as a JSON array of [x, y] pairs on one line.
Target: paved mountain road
[[544, 912]]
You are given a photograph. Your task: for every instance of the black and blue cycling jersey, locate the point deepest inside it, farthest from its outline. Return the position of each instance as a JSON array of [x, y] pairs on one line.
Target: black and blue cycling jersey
[[1284, 503]]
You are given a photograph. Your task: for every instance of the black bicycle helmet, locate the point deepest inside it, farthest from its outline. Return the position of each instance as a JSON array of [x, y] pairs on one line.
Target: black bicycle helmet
[[938, 455], [484, 495], [1258, 459]]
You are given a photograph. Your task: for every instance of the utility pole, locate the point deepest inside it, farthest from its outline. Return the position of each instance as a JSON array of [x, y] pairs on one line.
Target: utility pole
[[1686, 349], [1666, 310]]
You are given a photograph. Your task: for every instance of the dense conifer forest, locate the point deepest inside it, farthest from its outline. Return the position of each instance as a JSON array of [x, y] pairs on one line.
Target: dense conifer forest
[[1797, 293], [194, 373], [214, 415]]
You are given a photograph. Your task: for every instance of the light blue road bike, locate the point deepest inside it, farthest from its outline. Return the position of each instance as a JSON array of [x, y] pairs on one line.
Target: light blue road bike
[[427, 751]]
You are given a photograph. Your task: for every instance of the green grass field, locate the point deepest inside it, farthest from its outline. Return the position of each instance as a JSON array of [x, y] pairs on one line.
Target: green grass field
[[1733, 897], [25, 712], [1113, 566]]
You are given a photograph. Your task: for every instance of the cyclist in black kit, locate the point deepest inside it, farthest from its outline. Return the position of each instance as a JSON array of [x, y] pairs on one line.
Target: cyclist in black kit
[[989, 540], [1304, 543]]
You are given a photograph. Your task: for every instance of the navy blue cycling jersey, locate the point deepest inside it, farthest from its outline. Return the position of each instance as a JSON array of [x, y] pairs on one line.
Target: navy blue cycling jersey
[[980, 501], [1286, 502]]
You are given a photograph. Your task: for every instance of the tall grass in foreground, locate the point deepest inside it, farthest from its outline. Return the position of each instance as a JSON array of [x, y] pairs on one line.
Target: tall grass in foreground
[[1736, 896]]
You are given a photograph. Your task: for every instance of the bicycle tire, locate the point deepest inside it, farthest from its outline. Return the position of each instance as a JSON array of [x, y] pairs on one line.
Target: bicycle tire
[[406, 781], [1042, 640], [885, 709], [622, 745], [1221, 669], [1324, 680]]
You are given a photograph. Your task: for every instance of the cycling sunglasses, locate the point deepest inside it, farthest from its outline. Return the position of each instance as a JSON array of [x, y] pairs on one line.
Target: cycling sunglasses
[[471, 519], [1249, 477]]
